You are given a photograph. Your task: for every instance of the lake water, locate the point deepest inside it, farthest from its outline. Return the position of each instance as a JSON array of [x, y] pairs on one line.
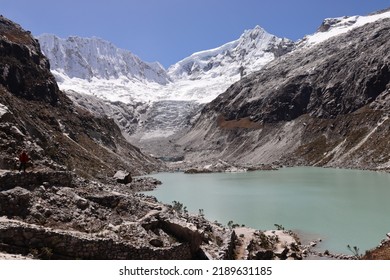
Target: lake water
[[339, 206]]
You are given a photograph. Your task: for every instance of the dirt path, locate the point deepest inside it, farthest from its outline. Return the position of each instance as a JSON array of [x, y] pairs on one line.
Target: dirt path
[[244, 236]]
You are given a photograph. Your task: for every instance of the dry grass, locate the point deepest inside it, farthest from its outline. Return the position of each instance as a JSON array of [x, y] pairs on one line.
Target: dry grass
[[382, 253], [240, 123], [12, 34]]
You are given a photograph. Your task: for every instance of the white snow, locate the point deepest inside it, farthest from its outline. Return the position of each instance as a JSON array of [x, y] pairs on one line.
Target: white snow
[[341, 26], [157, 133]]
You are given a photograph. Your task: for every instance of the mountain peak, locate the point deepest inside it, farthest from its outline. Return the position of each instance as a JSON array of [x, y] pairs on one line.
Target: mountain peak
[[255, 32], [255, 48], [87, 58]]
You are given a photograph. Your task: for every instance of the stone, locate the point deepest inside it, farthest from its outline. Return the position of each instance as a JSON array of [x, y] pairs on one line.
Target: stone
[[82, 203], [123, 177], [156, 243], [264, 255]]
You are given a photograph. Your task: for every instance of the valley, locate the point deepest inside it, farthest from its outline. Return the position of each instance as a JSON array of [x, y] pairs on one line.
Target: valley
[[85, 109]]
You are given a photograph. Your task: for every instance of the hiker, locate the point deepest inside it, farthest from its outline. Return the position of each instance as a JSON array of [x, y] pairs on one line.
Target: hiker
[[23, 158]]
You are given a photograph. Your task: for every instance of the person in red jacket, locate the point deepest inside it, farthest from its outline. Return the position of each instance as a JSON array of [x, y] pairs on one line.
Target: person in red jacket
[[23, 158]]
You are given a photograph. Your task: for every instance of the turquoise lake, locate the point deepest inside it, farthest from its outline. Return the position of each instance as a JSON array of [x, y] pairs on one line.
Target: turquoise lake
[[339, 206]]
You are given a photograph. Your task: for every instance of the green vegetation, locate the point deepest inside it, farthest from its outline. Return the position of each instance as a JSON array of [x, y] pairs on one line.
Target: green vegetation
[[201, 213], [179, 207], [355, 251], [44, 253], [279, 227], [231, 225]]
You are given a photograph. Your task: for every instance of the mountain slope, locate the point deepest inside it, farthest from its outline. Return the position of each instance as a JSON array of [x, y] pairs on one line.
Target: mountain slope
[[37, 116], [324, 105]]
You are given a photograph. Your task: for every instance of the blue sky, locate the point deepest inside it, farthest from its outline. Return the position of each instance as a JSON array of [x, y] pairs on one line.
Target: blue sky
[[170, 30]]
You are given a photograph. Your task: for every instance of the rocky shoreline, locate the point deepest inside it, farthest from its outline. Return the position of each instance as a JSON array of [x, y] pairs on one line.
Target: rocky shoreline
[[217, 166], [47, 217]]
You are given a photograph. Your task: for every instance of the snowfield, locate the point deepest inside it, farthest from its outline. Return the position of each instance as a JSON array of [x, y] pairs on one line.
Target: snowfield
[[338, 26]]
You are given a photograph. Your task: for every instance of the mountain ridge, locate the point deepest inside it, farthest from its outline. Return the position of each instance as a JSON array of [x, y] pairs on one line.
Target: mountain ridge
[[199, 77], [77, 65], [85, 58]]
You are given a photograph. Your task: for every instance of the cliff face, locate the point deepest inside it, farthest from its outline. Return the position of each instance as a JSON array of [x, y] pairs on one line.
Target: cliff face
[[325, 105], [24, 70], [35, 115]]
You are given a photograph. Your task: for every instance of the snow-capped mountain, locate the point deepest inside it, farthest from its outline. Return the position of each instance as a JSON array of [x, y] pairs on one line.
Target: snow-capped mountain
[[249, 53], [88, 58], [322, 105], [204, 75], [94, 66]]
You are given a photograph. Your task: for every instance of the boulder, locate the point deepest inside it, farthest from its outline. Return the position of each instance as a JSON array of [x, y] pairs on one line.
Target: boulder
[[123, 177], [156, 243], [15, 202]]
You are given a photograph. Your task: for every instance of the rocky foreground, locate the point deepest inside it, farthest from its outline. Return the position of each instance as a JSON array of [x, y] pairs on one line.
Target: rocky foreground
[[57, 215]]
